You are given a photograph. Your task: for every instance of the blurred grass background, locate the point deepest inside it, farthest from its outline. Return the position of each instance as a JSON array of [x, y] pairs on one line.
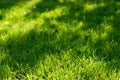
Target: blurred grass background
[[59, 39]]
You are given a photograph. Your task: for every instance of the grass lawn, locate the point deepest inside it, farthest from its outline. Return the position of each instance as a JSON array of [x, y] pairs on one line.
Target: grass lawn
[[59, 40]]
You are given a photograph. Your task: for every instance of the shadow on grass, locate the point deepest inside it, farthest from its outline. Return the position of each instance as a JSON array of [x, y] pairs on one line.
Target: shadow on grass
[[24, 51], [6, 4]]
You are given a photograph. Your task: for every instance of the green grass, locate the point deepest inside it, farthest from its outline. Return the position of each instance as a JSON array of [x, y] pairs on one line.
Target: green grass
[[60, 40]]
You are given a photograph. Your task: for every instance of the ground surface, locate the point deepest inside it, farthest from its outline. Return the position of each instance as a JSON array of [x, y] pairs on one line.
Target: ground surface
[[60, 39]]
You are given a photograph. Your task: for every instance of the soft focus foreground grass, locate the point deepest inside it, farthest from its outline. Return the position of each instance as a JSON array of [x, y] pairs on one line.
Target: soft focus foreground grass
[[60, 39]]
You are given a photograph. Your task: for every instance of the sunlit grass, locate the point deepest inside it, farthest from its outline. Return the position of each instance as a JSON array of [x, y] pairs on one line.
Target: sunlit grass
[[66, 40], [89, 7]]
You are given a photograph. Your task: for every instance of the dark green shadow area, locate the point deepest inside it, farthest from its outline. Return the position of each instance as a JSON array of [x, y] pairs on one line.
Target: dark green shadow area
[[1, 17], [24, 51], [46, 5], [6, 4]]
